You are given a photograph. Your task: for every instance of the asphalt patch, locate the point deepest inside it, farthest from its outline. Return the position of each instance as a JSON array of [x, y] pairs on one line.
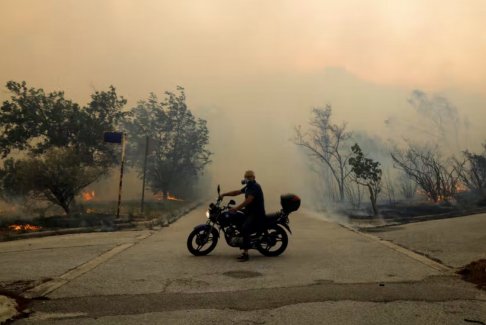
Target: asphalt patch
[[242, 274], [475, 272], [432, 289]]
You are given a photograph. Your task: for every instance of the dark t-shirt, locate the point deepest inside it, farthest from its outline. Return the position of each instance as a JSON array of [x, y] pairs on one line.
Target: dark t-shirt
[[257, 206]]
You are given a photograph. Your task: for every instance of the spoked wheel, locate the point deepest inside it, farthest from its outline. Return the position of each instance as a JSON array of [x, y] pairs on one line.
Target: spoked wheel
[[274, 242], [202, 241]]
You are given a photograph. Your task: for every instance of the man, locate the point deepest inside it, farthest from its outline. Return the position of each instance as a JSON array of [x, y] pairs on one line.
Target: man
[[254, 205]]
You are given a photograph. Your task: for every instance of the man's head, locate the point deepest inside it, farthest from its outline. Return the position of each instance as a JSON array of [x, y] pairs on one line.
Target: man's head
[[248, 177]]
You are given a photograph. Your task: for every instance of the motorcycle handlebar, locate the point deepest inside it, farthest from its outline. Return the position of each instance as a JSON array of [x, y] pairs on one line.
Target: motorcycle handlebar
[[219, 200]]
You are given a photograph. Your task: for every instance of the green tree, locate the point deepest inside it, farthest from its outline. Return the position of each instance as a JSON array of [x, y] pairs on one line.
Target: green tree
[[366, 172], [34, 123], [178, 143], [58, 175]]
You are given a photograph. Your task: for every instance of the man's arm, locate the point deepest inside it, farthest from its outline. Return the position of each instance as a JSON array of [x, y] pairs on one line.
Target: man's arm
[[247, 201], [232, 193]]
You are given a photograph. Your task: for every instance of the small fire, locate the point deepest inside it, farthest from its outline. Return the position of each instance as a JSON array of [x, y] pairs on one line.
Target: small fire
[[160, 197], [172, 198], [90, 210], [440, 198], [88, 196], [26, 227], [460, 187]]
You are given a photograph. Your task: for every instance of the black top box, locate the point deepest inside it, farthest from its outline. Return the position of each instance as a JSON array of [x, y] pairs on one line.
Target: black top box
[[289, 202]]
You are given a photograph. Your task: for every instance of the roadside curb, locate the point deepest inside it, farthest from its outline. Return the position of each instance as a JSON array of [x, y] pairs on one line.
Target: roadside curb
[[163, 221], [425, 218], [405, 251], [54, 284]]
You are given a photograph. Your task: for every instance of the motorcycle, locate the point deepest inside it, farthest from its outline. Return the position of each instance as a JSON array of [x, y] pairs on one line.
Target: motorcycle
[[270, 240]]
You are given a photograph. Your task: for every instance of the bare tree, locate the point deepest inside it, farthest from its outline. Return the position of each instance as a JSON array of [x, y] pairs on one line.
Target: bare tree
[[407, 187], [326, 142], [389, 187], [426, 167], [472, 171], [354, 194]]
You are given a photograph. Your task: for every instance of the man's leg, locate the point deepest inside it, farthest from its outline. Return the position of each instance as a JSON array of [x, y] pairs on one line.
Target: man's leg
[[246, 231]]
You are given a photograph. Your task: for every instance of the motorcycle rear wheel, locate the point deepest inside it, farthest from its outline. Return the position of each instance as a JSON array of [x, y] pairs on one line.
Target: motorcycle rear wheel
[[274, 242], [198, 240]]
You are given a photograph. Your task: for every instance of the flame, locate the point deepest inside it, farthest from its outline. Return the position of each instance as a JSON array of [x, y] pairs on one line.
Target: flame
[[460, 187], [88, 196], [172, 198], [440, 198], [160, 197], [26, 227]]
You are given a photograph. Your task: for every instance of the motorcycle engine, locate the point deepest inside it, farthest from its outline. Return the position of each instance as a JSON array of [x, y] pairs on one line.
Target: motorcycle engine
[[232, 237]]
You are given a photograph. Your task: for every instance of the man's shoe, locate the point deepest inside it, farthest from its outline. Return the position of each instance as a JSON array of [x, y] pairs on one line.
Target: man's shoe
[[243, 257]]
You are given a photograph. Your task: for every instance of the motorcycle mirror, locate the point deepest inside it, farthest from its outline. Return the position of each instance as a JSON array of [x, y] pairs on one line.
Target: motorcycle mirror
[[231, 202], [219, 189]]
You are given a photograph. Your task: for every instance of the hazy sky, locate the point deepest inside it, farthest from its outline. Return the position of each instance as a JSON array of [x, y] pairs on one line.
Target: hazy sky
[[255, 65]]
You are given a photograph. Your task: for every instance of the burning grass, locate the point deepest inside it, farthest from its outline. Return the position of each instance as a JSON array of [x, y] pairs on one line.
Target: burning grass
[[88, 196], [475, 272], [93, 214], [24, 228]]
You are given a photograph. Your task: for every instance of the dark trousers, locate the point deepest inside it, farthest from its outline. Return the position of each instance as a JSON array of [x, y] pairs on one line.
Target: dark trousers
[[250, 225]]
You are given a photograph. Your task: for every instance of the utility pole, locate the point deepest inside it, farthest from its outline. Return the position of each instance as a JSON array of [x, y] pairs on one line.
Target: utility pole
[[144, 173], [123, 143]]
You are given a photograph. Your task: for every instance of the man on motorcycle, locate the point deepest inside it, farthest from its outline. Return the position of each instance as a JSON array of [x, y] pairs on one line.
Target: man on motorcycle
[[254, 208]]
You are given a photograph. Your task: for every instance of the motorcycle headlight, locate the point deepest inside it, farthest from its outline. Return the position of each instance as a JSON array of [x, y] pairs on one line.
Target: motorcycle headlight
[[207, 214]]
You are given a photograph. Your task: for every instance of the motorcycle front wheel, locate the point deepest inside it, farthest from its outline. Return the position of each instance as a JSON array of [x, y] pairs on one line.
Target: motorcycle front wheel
[[202, 241], [274, 242]]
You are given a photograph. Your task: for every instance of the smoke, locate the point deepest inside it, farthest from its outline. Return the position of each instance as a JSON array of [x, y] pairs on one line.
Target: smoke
[[434, 120], [251, 128], [255, 70]]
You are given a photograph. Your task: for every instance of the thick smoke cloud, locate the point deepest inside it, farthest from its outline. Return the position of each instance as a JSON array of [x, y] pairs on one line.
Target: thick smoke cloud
[[255, 70]]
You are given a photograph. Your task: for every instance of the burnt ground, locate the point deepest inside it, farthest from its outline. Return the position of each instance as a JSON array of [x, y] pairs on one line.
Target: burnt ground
[[14, 291], [95, 222], [475, 272], [403, 213]]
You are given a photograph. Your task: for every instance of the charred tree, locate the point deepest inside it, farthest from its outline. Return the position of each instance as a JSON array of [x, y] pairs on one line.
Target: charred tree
[[472, 171], [425, 166], [326, 142]]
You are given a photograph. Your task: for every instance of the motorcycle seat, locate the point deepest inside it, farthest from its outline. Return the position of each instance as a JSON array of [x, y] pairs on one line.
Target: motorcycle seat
[[271, 216]]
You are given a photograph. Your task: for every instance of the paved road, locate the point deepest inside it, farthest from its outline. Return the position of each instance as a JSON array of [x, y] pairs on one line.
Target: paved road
[[329, 274]]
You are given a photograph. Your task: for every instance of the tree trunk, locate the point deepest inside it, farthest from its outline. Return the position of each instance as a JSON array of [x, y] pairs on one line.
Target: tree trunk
[[341, 192], [66, 209], [373, 201]]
